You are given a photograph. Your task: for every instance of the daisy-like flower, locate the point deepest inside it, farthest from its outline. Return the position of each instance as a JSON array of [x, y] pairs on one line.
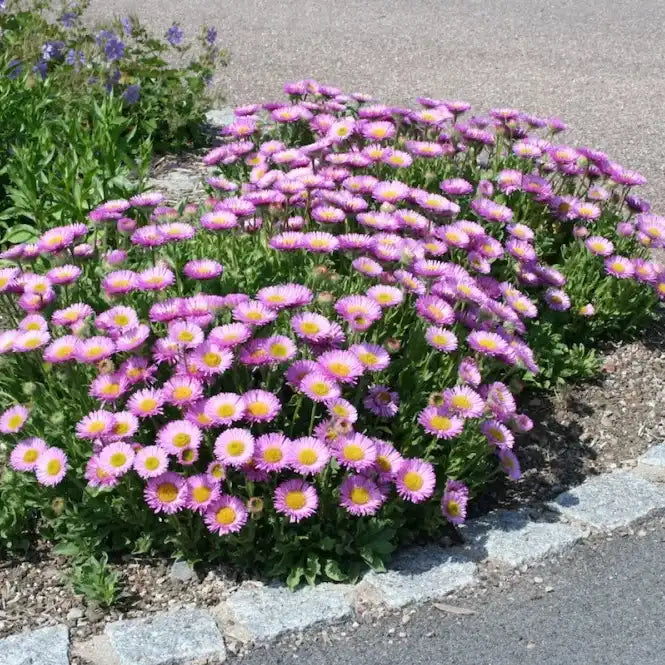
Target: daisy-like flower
[[619, 266], [367, 266], [440, 423], [30, 341], [296, 499], [118, 319], [181, 390], [108, 387], [196, 414], [284, 295], [320, 243], [509, 463], [66, 274], [360, 496], [310, 326], [219, 220], [202, 269], [272, 452], [51, 467], [500, 400], [211, 359], [230, 335], [147, 199], [342, 409], [463, 401], [319, 386], [487, 343], [373, 357], [342, 366], [146, 402], [261, 406], [456, 187], [388, 459], [125, 424], [435, 310], [96, 425], [415, 480], [234, 447], [382, 401], [96, 476], [557, 299], [167, 493], [94, 349], [227, 514], [253, 312], [385, 296], [390, 191], [308, 455], [186, 334], [116, 458], [203, 491], [225, 408], [120, 281], [26, 454], [156, 279], [497, 434], [279, 348], [13, 419], [441, 339], [178, 435], [599, 245], [454, 501], [356, 452], [351, 307]]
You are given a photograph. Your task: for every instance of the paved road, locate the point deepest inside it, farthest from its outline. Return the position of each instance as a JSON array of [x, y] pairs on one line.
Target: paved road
[[597, 64], [607, 607]]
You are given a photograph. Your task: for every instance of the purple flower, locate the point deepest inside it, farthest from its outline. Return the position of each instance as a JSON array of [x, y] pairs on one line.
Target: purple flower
[[114, 49], [127, 25], [14, 66], [174, 35], [52, 50], [68, 19], [41, 68], [211, 36], [132, 93], [454, 501]]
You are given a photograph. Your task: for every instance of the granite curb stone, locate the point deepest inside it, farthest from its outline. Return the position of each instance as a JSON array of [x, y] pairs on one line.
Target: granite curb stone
[[610, 501], [44, 646], [182, 637], [651, 465]]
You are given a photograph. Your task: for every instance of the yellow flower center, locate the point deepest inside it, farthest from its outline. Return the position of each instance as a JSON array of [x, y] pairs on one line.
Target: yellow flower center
[[212, 359], [32, 342], [295, 500], [258, 409], [217, 471], [15, 421], [368, 358], [30, 455], [340, 410], [440, 423], [339, 369], [54, 467], [201, 494], [111, 389], [93, 351], [64, 351], [490, 344], [307, 456], [383, 463], [226, 516], [117, 460], [151, 463], [182, 392], [254, 316], [202, 419], [279, 350], [320, 388], [226, 410], [273, 455], [185, 336], [353, 452], [33, 325], [413, 480], [309, 327], [147, 404], [121, 319], [167, 492], [359, 496], [181, 440], [96, 426], [461, 402], [453, 508], [235, 448]]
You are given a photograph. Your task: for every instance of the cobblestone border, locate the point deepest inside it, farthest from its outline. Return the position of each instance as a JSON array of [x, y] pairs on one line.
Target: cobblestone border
[[260, 613]]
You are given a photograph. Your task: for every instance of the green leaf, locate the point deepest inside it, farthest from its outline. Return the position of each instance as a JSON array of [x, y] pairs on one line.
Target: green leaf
[[20, 233]]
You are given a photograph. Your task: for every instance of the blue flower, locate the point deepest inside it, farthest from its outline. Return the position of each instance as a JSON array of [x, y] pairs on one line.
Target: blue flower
[[15, 68], [112, 80], [127, 25], [41, 68], [211, 36], [132, 93], [75, 58], [174, 35], [103, 36], [52, 50], [68, 19], [114, 49]]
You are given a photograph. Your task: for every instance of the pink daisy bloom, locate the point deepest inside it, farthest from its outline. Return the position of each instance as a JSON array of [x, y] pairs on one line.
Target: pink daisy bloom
[[116, 458], [120, 281], [342, 366], [108, 387], [497, 434], [487, 343], [360, 495], [66, 274], [279, 348], [454, 501], [385, 296], [373, 357], [388, 459], [356, 452], [234, 447], [26, 454], [261, 406], [178, 435], [599, 245], [156, 279], [225, 515], [272, 452], [202, 269], [557, 299], [125, 424], [435, 310], [211, 359], [463, 401], [96, 425], [298, 370], [180, 390], [619, 266], [51, 467], [319, 387], [254, 313], [30, 341], [146, 402], [285, 295], [441, 339], [321, 243], [230, 335], [367, 266], [186, 334], [94, 349], [438, 422], [296, 499], [167, 493], [118, 319], [13, 419], [310, 326], [96, 476], [219, 220], [509, 463], [196, 414], [342, 409], [382, 402], [390, 191], [225, 408], [308, 455], [415, 480], [202, 492], [72, 314]]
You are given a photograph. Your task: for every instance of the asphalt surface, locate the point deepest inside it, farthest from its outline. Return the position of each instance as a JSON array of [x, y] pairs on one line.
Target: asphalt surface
[[596, 63], [601, 604]]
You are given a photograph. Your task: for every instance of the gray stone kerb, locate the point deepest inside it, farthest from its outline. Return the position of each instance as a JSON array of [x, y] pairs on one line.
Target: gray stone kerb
[[261, 613]]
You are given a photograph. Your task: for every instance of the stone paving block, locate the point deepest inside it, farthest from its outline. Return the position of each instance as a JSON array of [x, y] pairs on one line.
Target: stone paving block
[[180, 637], [652, 464], [511, 538], [418, 575], [220, 117], [265, 612], [44, 646], [177, 183], [610, 500]]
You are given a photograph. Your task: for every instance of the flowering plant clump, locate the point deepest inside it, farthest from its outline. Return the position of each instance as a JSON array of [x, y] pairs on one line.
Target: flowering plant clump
[[321, 361], [82, 109]]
